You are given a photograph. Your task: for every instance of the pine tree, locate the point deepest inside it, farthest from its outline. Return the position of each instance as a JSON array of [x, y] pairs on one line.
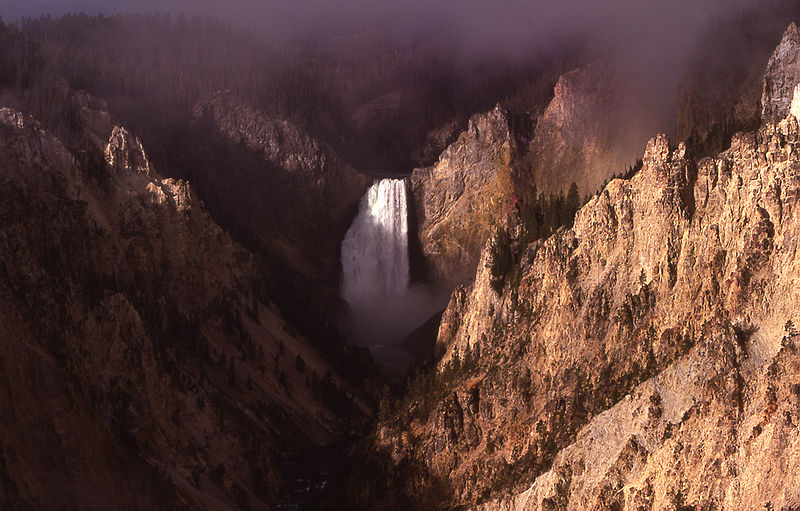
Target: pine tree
[[573, 204]]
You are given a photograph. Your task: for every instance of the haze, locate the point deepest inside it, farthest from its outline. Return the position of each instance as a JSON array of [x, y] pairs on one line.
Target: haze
[[650, 38], [512, 25]]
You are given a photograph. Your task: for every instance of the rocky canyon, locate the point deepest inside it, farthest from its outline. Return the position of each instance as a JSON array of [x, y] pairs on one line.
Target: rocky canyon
[[370, 268]]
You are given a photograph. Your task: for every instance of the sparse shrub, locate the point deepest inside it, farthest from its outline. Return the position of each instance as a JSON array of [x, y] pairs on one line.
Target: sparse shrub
[[469, 362], [790, 328]]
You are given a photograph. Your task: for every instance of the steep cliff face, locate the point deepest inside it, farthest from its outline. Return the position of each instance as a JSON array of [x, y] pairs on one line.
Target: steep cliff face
[[781, 77], [141, 363], [722, 84], [302, 192], [456, 200], [280, 192], [714, 428], [644, 357], [582, 135], [436, 141]]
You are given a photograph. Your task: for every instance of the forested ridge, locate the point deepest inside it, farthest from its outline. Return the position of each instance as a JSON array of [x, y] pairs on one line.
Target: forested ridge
[[373, 99]]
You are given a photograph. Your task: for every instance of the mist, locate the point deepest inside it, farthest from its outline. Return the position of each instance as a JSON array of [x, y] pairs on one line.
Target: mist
[[513, 27], [386, 325], [647, 40]]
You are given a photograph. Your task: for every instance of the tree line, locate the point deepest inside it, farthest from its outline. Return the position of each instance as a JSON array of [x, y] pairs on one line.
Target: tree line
[[153, 68]]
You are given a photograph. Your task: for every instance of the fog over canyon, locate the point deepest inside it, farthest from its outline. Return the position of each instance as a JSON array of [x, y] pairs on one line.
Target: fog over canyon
[[333, 255]]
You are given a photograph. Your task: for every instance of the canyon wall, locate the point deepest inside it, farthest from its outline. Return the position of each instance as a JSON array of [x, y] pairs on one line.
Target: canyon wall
[[644, 358]]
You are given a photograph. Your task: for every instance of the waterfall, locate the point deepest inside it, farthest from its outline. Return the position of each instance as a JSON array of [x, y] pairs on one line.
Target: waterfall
[[384, 307], [375, 248]]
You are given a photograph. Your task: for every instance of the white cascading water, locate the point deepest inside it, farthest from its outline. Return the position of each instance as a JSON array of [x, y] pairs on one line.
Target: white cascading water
[[384, 307], [375, 248]]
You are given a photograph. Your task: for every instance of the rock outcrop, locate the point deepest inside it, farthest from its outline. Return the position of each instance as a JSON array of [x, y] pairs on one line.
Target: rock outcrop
[[581, 136], [282, 194], [718, 96], [644, 358], [297, 189], [436, 141], [455, 201], [141, 362], [781, 77]]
